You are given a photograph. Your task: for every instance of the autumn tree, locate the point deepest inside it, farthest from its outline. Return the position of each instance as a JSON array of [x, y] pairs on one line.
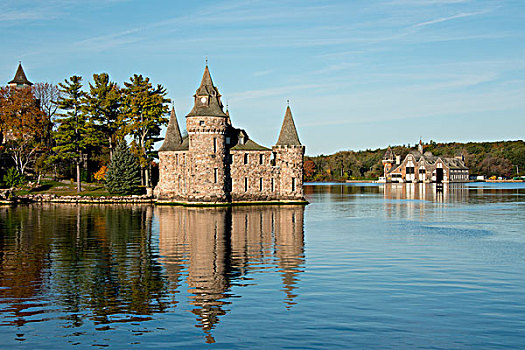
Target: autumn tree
[[103, 105], [309, 169], [146, 109], [75, 133], [22, 125]]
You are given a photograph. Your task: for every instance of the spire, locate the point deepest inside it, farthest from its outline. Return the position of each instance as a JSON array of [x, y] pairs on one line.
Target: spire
[[173, 137], [207, 99], [389, 155], [206, 79], [20, 77], [288, 135]]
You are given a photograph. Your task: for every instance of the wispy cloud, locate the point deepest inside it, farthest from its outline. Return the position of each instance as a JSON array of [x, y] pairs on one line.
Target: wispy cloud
[[273, 91], [450, 18], [262, 73], [25, 15]]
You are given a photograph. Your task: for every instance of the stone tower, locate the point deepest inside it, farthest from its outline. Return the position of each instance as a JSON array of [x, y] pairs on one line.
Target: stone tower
[[207, 125], [20, 80], [289, 158]]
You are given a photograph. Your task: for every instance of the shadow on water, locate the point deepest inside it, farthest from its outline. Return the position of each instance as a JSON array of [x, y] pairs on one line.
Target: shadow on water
[[117, 263]]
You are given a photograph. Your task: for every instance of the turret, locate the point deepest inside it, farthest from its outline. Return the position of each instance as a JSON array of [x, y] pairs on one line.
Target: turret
[[388, 161], [207, 125], [20, 80], [289, 158]]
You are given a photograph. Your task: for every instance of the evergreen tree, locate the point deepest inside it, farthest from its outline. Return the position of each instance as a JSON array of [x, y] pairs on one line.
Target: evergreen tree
[[103, 105], [75, 134], [123, 174], [146, 108]]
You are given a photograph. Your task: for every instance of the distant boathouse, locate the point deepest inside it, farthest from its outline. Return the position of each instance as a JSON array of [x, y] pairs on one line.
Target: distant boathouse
[[217, 163], [424, 167]]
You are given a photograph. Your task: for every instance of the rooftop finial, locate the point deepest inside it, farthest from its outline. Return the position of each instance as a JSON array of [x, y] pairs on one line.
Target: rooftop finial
[[288, 102], [206, 61]]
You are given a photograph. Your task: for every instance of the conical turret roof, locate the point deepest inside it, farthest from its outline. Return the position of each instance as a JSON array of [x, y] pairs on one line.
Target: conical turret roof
[[173, 137], [20, 77], [207, 99], [288, 135], [389, 155]]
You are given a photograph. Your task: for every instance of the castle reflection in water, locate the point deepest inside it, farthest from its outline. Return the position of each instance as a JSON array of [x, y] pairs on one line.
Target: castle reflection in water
[[107, 259], [218, 247]]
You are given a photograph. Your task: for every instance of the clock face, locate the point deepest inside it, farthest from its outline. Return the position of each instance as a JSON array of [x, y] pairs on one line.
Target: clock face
[[203, 99]]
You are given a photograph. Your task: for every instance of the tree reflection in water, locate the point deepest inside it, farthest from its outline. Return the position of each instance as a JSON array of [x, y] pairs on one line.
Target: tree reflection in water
[[101, 263]]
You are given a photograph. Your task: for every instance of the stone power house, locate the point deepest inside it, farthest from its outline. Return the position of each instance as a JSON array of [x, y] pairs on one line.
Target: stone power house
[[217, 163]]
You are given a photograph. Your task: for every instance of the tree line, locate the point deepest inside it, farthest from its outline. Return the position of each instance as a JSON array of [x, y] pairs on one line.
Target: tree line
[[502, 158], [73, 129]]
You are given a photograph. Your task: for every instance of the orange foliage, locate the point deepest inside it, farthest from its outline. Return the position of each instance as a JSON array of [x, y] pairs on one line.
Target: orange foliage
[[309, 168], [100, 175]]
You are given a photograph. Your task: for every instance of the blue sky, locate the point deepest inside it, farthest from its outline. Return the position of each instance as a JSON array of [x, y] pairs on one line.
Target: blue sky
[[358, 73]]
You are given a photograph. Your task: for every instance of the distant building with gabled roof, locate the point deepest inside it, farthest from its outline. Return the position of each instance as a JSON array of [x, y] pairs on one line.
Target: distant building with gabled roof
[[20, 80], [216, 163], [424, 167]]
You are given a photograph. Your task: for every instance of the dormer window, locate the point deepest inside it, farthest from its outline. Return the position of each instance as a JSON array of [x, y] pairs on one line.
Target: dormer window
[[203, 100], [201, 123], [241, 139]]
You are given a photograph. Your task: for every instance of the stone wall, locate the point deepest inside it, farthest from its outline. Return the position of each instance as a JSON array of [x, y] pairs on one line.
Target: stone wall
[[289, 159], [208, 173], [246, 178], [172, 175]]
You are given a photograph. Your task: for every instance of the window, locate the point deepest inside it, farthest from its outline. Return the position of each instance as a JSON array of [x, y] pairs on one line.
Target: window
[[261, 158], [228, 140], [201, 123], [215, 175], [245, 184], [214, 145], [272, 161], [422, 170], [272, 186], [245, 158], [260, 184], [293, 184]]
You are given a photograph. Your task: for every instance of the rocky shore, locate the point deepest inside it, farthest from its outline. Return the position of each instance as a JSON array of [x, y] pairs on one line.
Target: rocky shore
[[8, 197]]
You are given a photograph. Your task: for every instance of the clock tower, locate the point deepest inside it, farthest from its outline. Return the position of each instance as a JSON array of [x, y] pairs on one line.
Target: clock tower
[[207, 127]]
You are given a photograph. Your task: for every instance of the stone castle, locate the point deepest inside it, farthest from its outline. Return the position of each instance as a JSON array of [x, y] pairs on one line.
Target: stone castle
[[217, 163]]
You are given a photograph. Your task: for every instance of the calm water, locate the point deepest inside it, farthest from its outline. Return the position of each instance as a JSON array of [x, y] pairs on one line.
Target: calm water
[[377, 267]]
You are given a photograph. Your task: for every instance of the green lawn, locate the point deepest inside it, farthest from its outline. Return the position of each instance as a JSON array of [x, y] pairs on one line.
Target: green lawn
[[66, 189]]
